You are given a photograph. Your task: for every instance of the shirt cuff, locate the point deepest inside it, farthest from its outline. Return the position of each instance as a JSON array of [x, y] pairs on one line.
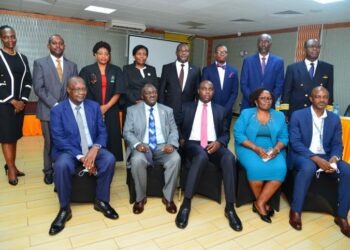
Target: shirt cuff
[[79, 157], [135, 145]]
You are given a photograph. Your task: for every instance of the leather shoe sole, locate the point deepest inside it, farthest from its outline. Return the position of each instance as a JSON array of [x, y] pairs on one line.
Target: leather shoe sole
[[106, 209], [59, 222], [169, 206], [139, 206], [234, 222], [181, 220]]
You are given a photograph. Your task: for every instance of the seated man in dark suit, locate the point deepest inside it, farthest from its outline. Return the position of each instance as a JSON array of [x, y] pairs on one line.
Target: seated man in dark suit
[[152, 137], [79, 136], [204, 137], [316, 144]]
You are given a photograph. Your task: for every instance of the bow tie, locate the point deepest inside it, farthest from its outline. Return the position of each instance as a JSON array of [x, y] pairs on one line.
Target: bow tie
[[219, 65]]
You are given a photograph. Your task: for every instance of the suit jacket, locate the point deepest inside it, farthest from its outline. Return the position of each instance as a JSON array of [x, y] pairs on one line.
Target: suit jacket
[[300, 134], [298, 85], [65, 132], [252, 77], [135, 126], [225, 97], [170, 93], [134, 81], [220, 122], [247, 127], [47, 85]]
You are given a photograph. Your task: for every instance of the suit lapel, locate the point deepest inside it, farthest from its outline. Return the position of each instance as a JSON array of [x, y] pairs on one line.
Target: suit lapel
[[216, 76], [52, 68], [70, 118], [174, 74], [162, 115], [142, 114], [89, 116], [257, 64], [308, 123], [189, 76]]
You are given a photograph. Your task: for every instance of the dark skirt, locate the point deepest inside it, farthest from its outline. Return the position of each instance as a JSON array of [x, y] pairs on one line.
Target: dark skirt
[[11, 123], [114, 142]]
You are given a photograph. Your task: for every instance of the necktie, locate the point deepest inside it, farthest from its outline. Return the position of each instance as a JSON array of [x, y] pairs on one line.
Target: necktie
[[263, 65], [83, 141], [152, 139], [181, 76], [312, 70], [219, 65], [204, 127], [59, 69]]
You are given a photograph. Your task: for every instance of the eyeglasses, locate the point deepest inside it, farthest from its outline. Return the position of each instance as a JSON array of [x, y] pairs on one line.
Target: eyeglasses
[[76, 91], [221, 52], [265, 98]]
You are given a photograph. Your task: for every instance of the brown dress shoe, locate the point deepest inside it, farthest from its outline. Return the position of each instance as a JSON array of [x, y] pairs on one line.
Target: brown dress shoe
[[138, 206], [169, 206], [295, 220], [343, 224]]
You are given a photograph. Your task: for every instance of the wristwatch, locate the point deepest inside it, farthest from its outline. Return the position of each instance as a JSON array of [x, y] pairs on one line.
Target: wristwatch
[[99, 146]]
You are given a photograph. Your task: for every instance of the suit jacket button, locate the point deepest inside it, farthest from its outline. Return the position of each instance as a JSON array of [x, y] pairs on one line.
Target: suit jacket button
[[321, 84], [305, 105], [301, 85], [306, 95]]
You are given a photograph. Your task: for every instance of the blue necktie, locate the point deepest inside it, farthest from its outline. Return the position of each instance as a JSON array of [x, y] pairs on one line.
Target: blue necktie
[[152, 139], [312, 70]]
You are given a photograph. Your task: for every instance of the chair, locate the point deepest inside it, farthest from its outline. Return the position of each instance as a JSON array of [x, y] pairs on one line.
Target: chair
[[321, 196], [155, 182], [347, 112], [245, 195], [83, 187], [210, 183]]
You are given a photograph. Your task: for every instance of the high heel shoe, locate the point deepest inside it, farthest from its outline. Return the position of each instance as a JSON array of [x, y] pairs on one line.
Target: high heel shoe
[[13, 182], [263, 217], [18, 173], [270, 212], [6, 169]]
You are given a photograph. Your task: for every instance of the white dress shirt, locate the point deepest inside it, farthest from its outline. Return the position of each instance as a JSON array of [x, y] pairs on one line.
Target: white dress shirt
[[196, 127], [178, 69], [266, 58], [316, 145], [221, 72], [308, 65], [159, 133]]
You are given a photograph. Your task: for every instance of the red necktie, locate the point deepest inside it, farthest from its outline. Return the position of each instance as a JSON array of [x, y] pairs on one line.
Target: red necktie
[[204, 127]]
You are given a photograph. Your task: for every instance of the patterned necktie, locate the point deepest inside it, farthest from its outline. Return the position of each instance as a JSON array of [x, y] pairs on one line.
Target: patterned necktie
[[219, 65], [181, 76], [59, 69], [152, 139], [83, 141], [312, 70], [204, 127], [263, 65]]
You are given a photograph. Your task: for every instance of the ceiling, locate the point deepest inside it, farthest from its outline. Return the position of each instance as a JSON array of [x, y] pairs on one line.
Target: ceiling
[[197, 17]]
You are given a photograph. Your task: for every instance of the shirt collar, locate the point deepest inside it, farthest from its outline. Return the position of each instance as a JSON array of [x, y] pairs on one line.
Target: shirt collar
[[73, 105], [267, 57], [314, 115], [179, 63], [308, 62], [55, 58], [202, 103], [223, 64], [147, 107]]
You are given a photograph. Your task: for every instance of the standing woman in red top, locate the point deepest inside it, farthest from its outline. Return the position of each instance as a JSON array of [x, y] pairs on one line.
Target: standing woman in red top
[[105, 84], [15, 86]]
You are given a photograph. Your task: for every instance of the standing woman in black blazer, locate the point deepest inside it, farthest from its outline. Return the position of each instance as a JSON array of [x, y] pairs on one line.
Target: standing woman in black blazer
[[15, 86], [105, 84], [138, 74]]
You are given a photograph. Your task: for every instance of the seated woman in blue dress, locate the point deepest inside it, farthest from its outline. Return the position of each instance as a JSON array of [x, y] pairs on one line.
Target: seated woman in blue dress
[[261, 135]]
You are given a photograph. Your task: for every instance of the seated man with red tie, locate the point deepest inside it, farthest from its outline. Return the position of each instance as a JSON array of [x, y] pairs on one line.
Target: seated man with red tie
[[204, 137]]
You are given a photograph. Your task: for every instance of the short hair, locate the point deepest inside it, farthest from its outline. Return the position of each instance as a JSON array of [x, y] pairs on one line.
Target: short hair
[[319, 88], [268, 37], [255, 96], [99, 45], [52, 36], [205, 81], [75, 79], [180, 45], [146, 86], [3, 27], [220, 45], [306, 43], [137, 48]]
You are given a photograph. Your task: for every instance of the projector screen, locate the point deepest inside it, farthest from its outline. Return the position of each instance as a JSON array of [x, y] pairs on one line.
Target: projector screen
[[160, 51]]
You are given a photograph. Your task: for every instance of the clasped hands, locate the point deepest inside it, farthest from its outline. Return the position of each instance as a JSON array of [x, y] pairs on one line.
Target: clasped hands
[[89, 160], [18, 105], [324, 164], [265, 154], [143, 148]]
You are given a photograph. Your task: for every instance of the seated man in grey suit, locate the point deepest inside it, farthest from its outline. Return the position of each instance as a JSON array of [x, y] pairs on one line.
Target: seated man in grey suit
[[151, 135]]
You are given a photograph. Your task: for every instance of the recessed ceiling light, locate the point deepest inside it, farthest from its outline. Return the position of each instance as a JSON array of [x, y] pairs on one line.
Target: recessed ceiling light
[[327, 1], [99, 9]]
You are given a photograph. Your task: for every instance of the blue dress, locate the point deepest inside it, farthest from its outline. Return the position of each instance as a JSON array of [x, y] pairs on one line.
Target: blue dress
[[248, 127]]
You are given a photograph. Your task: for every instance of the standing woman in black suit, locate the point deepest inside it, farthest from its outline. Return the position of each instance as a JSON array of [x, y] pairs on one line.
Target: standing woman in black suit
[[105, 84], [15, 86], [137, 74]]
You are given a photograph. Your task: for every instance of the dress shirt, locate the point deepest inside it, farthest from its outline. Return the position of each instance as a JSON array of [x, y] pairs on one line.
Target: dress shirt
[[196, 126], [159, 134], [221, 74], [86, 128], [55, 62], [142, 72], [316, 145], [178, 69], [266, 58], [308, 65]]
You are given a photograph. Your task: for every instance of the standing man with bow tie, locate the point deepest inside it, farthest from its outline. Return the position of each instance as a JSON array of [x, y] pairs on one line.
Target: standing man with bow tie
[[225, 80], [262, 70], [50, 76]]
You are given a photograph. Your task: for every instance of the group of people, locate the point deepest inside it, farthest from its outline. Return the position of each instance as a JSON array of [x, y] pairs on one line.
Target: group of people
[[184, 114]]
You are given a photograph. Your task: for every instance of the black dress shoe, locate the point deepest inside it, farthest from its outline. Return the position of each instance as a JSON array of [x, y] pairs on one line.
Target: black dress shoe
[[233, 219], [48, 178], [181, 220], [263, 217], [106, 209], [270, 212], [295, 220], [64, 215]]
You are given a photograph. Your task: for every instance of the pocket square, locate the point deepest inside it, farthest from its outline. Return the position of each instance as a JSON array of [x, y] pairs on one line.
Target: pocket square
[[325, 77], [231, 75]]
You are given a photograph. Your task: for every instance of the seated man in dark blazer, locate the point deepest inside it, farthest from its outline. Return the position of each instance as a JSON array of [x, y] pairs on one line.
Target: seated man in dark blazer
[[316, 144], [204, 137], [79, 136]]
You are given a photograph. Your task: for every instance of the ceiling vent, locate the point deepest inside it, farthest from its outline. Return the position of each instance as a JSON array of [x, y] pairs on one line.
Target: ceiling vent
[[118, 25]]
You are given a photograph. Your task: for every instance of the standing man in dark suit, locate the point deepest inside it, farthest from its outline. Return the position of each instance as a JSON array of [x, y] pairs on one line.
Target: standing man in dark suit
[[204, 137], [179, 81], [50, 76], [316, 144], [79, 136], [262, 70], [303, 76], [152, 137], [225, 80]]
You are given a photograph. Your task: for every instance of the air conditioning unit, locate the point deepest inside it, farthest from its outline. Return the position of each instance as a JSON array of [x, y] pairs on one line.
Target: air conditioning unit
[[119, 25]]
